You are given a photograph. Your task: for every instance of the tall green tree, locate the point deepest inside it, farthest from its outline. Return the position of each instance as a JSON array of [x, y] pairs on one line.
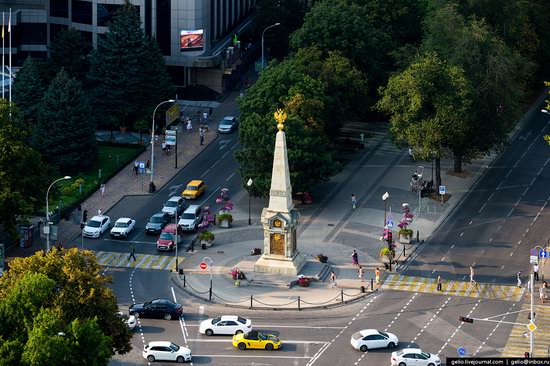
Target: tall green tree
[[22, 171], [310, 154], [124, 67], [28, 89], [65, 134], [497, 73], [69, 51], [55, 292], [429, 105]]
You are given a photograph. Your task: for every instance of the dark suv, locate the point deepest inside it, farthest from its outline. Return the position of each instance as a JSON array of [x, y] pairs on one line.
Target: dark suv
[[157, 222], [158, 308]]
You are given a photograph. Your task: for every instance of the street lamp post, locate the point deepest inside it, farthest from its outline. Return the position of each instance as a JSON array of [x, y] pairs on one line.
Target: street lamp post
[[271, 26], [177, 239], [210, 266], [48, 211], [152, 187], [385, 196], [249, 183]]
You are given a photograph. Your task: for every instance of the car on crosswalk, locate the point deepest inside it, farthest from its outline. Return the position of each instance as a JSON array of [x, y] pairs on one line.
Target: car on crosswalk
[[414, 357], [123, 227], [372, 338], [225, 324], [256, 340], [166, 351]]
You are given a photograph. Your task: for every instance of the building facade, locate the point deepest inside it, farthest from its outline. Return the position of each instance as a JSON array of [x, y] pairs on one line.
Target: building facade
[[195, 36]]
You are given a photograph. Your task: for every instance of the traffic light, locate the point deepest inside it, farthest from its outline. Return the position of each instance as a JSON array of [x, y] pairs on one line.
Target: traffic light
[[529, 315], [84, 215], [466, 320], [390, 237]]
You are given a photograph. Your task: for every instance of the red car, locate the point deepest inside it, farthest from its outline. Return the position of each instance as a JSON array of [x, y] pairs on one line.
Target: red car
[[167, 238]]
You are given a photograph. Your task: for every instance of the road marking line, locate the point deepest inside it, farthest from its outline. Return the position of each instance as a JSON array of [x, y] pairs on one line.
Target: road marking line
[[452, 246], [181, 319], [252, 356], [482, 207], [231, 176], [509, 172], [206, 172], [211, 194], [461, 233]]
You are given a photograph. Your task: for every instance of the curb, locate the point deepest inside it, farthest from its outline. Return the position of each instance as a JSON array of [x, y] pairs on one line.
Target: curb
[[512, 135]]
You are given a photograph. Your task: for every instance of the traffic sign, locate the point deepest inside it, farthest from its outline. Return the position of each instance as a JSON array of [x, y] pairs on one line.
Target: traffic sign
[[441, 190], [543, 253], [533, 259], [203, 266], [531, 326], [461, 351]]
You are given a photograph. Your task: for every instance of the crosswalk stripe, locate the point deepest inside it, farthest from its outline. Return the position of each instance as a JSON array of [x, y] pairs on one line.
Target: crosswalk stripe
[[145, 261], [172, 264]]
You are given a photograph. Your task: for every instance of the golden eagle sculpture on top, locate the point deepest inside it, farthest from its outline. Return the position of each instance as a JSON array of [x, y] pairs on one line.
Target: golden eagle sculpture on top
[[280, 117]]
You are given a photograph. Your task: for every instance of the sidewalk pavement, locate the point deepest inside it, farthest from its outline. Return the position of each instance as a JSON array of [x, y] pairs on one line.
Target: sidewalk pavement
[[332, 227], [126, 182]]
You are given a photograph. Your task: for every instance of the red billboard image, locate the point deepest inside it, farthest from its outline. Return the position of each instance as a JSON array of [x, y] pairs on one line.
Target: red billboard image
[[191, 40]]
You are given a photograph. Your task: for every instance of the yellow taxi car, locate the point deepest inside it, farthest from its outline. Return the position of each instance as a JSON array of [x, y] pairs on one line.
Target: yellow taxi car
[[194, 189], [256, 340]]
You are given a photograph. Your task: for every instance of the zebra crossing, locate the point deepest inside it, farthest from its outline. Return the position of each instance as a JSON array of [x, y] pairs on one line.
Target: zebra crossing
[[144, 261], [518, 341], [453, 288]]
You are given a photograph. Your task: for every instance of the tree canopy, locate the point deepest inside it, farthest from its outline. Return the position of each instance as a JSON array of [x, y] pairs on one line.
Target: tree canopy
[[28, 89], [56, 308], [65, 134], [69, 51]]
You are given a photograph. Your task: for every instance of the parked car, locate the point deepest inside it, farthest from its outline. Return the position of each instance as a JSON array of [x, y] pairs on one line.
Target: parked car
[[167, 238], [228, 124], [414, 357], [256, 340], [166, 351], [157, 222], [96, 226], [226, 324], [130, 320], [158, 308], [190, 219], [194, 189], [372, 338], [173, 205], [123, 227]]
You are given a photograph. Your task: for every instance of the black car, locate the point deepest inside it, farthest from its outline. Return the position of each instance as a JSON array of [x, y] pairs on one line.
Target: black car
[[158, 308], [157, 222]]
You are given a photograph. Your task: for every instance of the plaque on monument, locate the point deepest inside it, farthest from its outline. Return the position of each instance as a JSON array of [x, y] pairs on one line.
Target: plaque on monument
[[277, 244]]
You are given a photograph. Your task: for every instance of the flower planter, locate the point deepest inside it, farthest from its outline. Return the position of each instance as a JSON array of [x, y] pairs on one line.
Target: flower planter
[[122, 129], [206, 243], [225, 223], [404, 239]]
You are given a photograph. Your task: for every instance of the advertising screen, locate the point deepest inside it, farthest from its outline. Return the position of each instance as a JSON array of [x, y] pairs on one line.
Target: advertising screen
[[191, 40]]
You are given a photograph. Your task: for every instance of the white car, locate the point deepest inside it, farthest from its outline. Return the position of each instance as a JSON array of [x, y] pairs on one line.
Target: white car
[[173, 205], [96, 226], [190, 219], [414, 357], [226, 324], [166, 351], [372, 338], [122, 227], [130, 320]]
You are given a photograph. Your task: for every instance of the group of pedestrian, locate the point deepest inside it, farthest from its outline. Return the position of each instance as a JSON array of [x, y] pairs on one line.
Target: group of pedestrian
[[360, 271]]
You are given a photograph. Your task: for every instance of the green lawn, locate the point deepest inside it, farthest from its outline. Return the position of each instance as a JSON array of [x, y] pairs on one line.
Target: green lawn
[[109, 159]]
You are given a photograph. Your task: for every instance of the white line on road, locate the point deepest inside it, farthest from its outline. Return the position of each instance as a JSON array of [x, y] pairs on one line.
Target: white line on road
[[456, 330], [452, 246], [203, 174], [509, 172], [210, 195], [494, 329], [525, 152], [229, 340], [530, 146], [252, 356], [234, 146], [224, 155], [490, 240], [429, 322], [270, 326], [216, 163], [525, 191], [470, 222], [442, 259], [498, 187], [502, 267], [130, 241], [231, 176], [182, 320], [491, 196], [461, 234], [511, 254], [533, 181], [482, 207], [509, 213]]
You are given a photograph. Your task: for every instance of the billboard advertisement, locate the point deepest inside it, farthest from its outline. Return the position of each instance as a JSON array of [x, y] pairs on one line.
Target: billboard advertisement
[[191, 40]]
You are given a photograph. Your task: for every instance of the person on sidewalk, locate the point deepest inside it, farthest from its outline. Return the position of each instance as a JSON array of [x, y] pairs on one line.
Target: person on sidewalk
[[529, 288], [519, 279], [377, 275], [205, 117], [353, 201], [201, 136], [132, 252], [439, 285], [361, 274], [542, 293], [164, 147], [536, 272], [210, 112], [99, 212], [189, 126], [102, 187], [333, 279], [472, 276], [136, 167], [354, 258]]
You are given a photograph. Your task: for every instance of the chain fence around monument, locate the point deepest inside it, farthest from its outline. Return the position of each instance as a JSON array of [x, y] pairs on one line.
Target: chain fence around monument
[[298, 303]]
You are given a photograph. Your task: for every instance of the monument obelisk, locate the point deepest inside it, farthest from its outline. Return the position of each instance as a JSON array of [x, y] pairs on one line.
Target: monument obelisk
[[279, 219]]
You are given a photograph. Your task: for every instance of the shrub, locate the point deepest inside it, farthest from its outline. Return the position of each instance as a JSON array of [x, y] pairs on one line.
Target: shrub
[[406, 232], [225, 216], [206, 235]]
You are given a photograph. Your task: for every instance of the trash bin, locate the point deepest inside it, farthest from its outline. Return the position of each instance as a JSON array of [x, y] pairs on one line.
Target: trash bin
[[26, 236]]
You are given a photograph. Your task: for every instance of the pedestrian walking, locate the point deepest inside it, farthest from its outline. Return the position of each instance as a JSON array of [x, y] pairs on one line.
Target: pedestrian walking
[[205, 117], [472, 276], [99, 212], [136, 167], [189, 126], [353, 201], [132, 252], [210, 112], [354, 258], [518, 276], [439, 286], [377, 275], [59, 246], [102, 187], [164, 147], [333, 279], [148, 164], [542, 293], [201, 136], [529, 288], [536, 272], [361, 274]]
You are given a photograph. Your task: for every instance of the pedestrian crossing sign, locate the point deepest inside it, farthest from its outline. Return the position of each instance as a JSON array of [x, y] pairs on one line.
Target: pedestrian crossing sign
[[531, 326]]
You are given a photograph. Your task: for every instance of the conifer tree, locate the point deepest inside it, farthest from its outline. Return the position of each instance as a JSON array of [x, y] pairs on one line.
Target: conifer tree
[[28, 90]]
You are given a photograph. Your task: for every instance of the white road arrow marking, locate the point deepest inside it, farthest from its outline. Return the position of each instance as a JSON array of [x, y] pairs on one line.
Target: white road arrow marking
[[223, 144]]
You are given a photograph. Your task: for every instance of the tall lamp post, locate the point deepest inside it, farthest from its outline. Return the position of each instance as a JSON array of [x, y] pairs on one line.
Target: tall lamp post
[[385, 196], [177, 239], [271, 26], [249, 183], [48, 211], [152, 187]]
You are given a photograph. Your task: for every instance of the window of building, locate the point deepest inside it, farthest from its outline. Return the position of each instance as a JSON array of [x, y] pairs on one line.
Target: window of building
[[163, 26], [105, 13], [33, 33], [59, 8], [81, 12]]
